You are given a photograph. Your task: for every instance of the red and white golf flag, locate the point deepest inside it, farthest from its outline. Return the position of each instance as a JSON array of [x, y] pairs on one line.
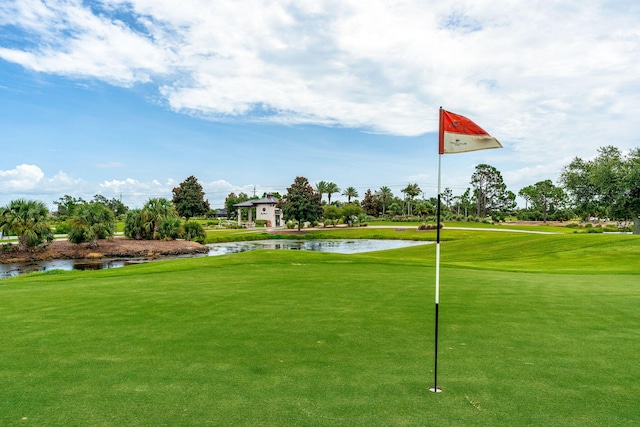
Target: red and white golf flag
[[459, 134]]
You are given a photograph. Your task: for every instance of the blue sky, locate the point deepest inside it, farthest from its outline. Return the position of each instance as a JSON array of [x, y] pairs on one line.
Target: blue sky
[[127, 98]]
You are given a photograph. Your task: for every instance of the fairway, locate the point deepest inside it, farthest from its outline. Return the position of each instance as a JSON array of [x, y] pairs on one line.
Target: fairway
[[535, 330]]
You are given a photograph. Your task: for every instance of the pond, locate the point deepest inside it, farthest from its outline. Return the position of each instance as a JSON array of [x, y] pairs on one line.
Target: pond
[[343, 246]]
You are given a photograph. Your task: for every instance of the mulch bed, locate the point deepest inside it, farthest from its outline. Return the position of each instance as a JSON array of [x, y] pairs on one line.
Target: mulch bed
[[114, 248]]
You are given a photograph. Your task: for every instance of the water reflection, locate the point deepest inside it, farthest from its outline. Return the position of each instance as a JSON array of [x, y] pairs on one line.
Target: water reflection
[[18, 268], [343, 246]]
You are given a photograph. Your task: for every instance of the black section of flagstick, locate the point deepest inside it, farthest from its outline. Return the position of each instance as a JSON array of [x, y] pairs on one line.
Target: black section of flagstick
[[435, 357]]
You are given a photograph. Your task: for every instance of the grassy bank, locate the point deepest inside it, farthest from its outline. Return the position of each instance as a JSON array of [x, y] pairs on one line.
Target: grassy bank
[[535, 330]]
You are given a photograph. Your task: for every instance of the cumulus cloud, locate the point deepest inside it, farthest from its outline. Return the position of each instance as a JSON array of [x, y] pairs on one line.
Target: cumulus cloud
[[30, 182], [21, 178], [558, 77]]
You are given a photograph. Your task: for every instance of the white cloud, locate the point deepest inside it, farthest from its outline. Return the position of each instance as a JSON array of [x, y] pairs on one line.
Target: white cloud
[[21, 178], [30, 182], [555, 78]]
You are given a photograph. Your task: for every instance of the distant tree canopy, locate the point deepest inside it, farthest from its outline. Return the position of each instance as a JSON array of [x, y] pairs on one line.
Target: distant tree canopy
[[301, 203], [331, 188], [544, 197], [607, 186], [188, 199], [490, 192], [370, 204], [350, 192], [231, 200], [67, 206], [411, 191], [119, 209]]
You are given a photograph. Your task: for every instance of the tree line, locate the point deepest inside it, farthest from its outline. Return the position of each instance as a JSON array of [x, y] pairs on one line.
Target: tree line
[[90, 221], [605, 187]]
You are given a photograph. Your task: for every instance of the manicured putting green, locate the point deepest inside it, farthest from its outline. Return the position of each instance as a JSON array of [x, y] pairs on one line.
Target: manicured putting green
[[534, 330]]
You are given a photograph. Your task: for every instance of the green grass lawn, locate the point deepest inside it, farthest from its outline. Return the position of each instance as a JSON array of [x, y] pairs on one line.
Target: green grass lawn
[[535, 330]]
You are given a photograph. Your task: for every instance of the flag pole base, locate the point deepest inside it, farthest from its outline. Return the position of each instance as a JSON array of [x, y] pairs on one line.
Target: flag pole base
[[435, 389]]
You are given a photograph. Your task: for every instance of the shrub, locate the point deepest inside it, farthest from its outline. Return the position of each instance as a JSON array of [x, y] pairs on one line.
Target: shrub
[[63, 228], [193, 231], [170, 228]]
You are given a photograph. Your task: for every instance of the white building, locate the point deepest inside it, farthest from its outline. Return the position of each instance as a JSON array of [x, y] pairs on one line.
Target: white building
[[265, 209]]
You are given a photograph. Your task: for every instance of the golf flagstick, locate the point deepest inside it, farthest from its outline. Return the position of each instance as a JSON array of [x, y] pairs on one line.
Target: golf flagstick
[[435, 387], [456, 134]]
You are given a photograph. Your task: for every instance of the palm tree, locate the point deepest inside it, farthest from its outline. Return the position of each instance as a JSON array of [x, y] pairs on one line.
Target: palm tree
[[330, 189], [410, 191], [145, 223], [321, 188], [385, 194], [90, 222], [157, 211], [28, 219], [350, 192]]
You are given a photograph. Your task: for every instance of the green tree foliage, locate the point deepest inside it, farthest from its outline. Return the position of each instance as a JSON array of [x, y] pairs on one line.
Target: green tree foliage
[[331, 188], [607, 186], [145, 223], [330, 214], [490, 192], [350, 192], [66, 206], [411, 191], [28, 219], [447, 197], [194, 231], [231, 200], [321, 188], [90, 222], [385, 195], [370, 204], [544, 196], [350, 212], [170, 228], [188, 199], [301, 203], [119, 209], [136, 225], [273, 194]]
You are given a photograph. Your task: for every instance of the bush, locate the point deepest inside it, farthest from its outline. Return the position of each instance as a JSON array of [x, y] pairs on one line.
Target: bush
[[170, 229], [193, 231], [63, 228]]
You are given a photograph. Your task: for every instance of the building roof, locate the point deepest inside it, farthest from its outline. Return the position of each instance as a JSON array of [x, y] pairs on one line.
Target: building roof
[[269, 200]]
